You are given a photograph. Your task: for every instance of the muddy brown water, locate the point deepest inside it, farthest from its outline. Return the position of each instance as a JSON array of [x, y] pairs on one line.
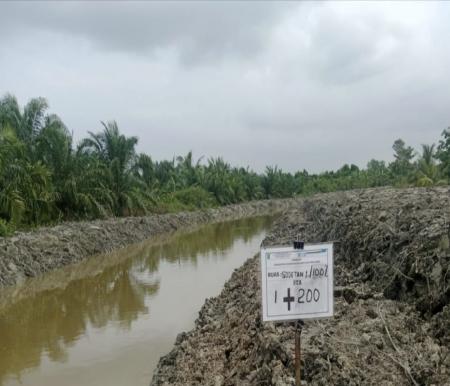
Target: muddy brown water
[[108, 320]]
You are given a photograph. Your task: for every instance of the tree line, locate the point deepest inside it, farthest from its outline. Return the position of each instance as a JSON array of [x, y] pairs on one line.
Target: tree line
[[46, 178]]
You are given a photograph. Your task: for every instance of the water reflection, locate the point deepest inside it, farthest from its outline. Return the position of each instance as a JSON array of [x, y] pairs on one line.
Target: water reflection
[[48, 315]]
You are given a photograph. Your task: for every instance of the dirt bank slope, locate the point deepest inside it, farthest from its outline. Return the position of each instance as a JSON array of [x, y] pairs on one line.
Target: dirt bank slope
[[32, 253], [389, 328]]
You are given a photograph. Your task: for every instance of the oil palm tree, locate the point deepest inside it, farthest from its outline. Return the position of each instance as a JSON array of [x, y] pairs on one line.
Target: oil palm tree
[[84, 191], [28, 122], [187, 170], [144, 169], [26, 192], [427, 169], [117, 153]]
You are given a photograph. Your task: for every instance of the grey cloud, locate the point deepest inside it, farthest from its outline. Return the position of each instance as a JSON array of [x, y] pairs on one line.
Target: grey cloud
[[301, 85], [199, 31], [342, 50]]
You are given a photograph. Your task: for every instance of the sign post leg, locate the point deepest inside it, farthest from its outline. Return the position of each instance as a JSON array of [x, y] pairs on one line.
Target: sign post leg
[[298, 352]]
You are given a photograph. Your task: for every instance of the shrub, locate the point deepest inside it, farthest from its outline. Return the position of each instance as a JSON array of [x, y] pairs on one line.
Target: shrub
[[5, 228], [195, 197]]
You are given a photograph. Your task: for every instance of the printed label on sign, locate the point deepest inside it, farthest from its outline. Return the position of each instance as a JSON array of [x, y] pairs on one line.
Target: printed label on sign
[[297, 283]]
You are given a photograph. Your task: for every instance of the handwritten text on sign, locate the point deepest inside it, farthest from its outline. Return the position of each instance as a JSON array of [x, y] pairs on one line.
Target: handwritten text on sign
[[297, 283]]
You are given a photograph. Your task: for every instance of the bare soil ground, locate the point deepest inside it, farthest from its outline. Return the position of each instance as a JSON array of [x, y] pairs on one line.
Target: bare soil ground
[[392, 311]]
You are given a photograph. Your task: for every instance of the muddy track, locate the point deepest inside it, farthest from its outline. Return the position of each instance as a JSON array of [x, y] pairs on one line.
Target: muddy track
[[392, 311], [29, 254]]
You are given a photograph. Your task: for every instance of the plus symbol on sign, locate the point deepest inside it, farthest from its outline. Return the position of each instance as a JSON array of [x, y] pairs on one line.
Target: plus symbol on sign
[[288, 299]]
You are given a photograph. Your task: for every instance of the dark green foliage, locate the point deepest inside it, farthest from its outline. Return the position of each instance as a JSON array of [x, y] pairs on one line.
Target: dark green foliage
[[5, 228], [191, 198], [44, 178], [195, 197], [377, 173], [402, 168], [428, 172], [116, 154], [443, 153]]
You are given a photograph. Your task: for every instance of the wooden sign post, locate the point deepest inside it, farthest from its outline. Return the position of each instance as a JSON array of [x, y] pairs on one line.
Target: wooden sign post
[[297, 284]]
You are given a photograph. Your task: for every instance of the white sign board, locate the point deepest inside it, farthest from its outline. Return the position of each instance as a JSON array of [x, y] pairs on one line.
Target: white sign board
[[297, 283]]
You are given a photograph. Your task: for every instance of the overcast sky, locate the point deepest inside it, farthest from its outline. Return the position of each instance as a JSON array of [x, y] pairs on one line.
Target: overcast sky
[[301, 85]]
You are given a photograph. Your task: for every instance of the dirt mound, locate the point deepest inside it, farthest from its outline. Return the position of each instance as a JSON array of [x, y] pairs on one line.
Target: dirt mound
[[30, 254], [397, 241], [231, 346], [392, 316]]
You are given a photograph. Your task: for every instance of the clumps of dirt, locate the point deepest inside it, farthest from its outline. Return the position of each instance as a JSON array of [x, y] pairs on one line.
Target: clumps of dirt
[[32, 253], [370, 341], [395, 240], [388, 329]]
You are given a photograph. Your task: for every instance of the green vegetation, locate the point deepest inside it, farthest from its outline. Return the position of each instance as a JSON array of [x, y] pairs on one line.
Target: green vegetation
[[45, 178]]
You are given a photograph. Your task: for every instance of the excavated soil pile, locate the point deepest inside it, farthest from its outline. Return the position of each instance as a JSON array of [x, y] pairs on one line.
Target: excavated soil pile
[[28, 254], [392, 316]]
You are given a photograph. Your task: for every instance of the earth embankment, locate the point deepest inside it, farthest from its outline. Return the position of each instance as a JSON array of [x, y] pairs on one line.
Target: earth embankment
[[392, 295], [28, 254]]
